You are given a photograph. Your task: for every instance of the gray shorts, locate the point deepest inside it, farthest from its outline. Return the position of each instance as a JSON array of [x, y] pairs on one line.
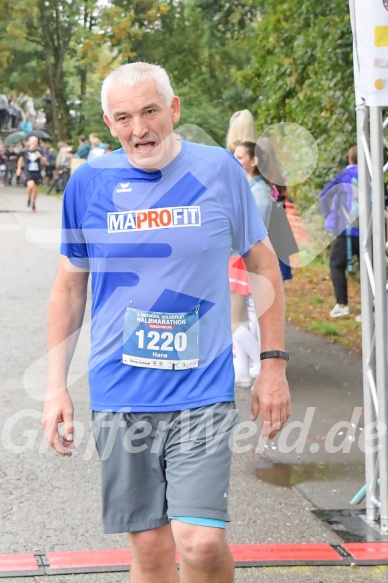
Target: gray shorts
[[156, 465]]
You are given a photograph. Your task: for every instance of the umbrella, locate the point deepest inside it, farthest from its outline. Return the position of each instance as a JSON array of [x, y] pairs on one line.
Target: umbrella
[[39, 134], [14, 138]]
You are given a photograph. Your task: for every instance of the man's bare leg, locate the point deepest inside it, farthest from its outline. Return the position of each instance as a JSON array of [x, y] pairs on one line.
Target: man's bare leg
[[153, 556], [204, 554], [32, 191]]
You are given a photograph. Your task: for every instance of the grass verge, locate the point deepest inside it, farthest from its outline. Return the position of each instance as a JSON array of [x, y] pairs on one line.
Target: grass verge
[[309, 299]]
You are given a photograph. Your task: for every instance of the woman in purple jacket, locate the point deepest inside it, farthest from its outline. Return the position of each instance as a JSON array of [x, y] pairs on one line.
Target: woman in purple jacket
[[338, 202]]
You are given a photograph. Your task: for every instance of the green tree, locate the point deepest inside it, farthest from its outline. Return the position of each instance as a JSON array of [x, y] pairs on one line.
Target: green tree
[[301, 71], [54, 33], [21, 65], [43, 44], [200, 43], [89, 48], [125, 21]]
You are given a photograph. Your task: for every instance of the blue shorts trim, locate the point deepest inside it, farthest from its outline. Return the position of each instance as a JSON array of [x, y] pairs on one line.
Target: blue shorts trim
[[214, 522]]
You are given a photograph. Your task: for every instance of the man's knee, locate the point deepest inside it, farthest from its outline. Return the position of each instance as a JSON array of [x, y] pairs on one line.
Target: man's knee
[[201, 546], [152, 548]]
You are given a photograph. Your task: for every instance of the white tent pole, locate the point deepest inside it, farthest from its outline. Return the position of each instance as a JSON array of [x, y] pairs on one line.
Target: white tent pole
[[370, 412], [380, 304]]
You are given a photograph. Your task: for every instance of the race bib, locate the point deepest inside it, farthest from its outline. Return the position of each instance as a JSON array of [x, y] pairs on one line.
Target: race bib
[[162, 340], [33, 164]]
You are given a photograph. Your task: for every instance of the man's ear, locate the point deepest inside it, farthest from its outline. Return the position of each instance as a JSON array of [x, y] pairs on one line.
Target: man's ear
[[110, 125], [176, 109]]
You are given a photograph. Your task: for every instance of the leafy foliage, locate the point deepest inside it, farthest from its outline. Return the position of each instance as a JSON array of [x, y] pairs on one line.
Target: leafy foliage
[[301, 71]]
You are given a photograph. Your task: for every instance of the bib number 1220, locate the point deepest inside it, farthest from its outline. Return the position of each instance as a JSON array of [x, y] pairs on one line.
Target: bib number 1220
[[162, 341]]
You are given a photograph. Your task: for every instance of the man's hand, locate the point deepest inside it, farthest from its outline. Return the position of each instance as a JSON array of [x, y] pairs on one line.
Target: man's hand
[[271, 397], [59, 409]]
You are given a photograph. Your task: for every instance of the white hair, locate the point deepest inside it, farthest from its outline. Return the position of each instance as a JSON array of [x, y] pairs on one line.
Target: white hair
[[133, 73]]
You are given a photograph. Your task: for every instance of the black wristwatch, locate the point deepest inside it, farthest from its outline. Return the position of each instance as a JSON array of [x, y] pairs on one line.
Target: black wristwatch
[[274, 354]]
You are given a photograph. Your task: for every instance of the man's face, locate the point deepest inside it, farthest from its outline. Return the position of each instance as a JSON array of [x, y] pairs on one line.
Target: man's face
[[93, 140], [32, 143], [143, 122]]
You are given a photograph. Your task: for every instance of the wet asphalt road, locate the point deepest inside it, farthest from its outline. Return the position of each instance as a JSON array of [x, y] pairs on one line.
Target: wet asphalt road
[[48, 503]]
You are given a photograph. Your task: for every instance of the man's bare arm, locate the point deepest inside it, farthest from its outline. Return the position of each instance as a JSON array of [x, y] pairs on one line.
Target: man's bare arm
[[65, 315], [19, 166], [270, 392]]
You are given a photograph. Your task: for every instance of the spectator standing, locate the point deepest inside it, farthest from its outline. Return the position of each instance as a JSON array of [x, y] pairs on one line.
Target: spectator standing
[[15, 111], [338, 202], [62, 165], [249, 154], [4, 107], [63, 152], [29, 110], [40, 122], [97, 148], [49, 155], [245, 332], [241, 129], [257, 164], [83, 148], [11, 164]]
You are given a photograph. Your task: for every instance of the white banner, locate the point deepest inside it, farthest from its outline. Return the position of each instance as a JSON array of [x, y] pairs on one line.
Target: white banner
[[370, 39]]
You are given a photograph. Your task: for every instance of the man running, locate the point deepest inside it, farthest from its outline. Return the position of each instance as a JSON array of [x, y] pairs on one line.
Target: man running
[[154, 223], [32, 160]]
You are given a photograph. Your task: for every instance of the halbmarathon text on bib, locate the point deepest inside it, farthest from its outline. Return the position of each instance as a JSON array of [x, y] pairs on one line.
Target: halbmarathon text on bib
[[159, 218], [161, 340]]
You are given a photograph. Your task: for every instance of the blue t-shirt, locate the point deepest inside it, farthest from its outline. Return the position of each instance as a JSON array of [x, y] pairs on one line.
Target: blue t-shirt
[[160, 241]]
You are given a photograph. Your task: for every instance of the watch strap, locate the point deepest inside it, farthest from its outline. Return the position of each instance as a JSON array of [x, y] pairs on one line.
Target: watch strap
[[274, 354]]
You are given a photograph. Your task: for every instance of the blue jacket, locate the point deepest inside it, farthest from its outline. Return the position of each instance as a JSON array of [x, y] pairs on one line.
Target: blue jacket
[[337, 202], [83, 150], [262, 195]]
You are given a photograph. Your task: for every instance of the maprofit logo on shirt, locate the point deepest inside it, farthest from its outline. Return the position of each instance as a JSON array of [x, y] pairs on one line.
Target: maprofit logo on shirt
[[159, 218]]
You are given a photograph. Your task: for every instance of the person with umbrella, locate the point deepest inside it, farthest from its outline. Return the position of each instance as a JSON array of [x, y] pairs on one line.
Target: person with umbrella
[[15, 138], [32, 160]]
